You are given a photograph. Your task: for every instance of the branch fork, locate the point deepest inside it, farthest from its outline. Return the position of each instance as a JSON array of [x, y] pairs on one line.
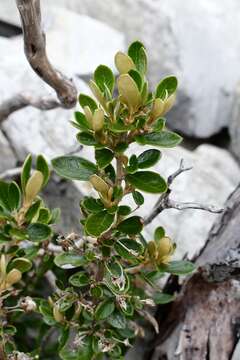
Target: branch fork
[[165, 202]]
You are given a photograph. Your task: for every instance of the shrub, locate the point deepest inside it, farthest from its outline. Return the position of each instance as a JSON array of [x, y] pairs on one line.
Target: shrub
[[81, 296]]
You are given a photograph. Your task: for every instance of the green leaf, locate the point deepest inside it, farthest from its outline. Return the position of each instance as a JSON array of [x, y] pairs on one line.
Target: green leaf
[[138, 198], [161, 298], [124, 210], [92, 205], [21, 264], [120, 127], [103, 76], [117, 320], [137, 78], [38, 232], [82, 122], [116, 353], [26, 171], [55, 216], [167, 86], [181, 267], [121, 147], [104, 310], [147, 181], [148, 158], [46, 310], [42, 166], [159, 125], [131, 226], [128, 249], [14, 196], [86, 139], [103, 157], [4, 238], [44, 216], [98, 223], [79, 279], [9, 330], [133, 164], [32, 211], [69, 260], [96, 291], [159, 233], [74, 167], [86, 100], [137, 53], [166, 139], [110, 172], [4, 198]]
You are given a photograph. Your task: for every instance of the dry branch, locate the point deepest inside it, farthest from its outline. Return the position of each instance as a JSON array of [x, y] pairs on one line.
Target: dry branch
[[8, 174], [165, 202], [35, 51], [20, 101]]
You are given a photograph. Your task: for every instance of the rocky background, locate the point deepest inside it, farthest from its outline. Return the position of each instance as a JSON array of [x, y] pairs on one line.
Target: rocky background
[[199, 41]]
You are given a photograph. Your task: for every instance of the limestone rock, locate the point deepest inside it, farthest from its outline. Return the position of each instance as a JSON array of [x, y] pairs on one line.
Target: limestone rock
[[234, 128], [76, 44], [185, 38], [7, 156]]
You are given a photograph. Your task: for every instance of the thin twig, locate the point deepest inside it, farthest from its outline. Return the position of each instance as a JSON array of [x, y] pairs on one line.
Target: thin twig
[[179, 171], [172, 204], [20, 101], [164, 202]]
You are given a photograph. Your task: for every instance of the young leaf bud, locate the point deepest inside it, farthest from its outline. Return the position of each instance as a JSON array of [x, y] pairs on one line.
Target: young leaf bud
[[99, 185], [165, 250], [13, 277], [58, 316], [88, 114], [33, 186], [2, 266], [123, 63], [129, 93], [168, 104], [98, 120], [157, 108], [97, 93], [152, 249]]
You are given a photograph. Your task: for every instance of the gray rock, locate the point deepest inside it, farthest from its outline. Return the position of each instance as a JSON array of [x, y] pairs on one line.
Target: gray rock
[[187, 39], [76, 44], [7, 156], [234, 128]]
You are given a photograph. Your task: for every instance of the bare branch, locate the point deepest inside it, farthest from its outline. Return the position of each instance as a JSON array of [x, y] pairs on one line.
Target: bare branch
[[172, 204], [164, 202], [11, 173], [35, 51], [20, 101], [179, 171]]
